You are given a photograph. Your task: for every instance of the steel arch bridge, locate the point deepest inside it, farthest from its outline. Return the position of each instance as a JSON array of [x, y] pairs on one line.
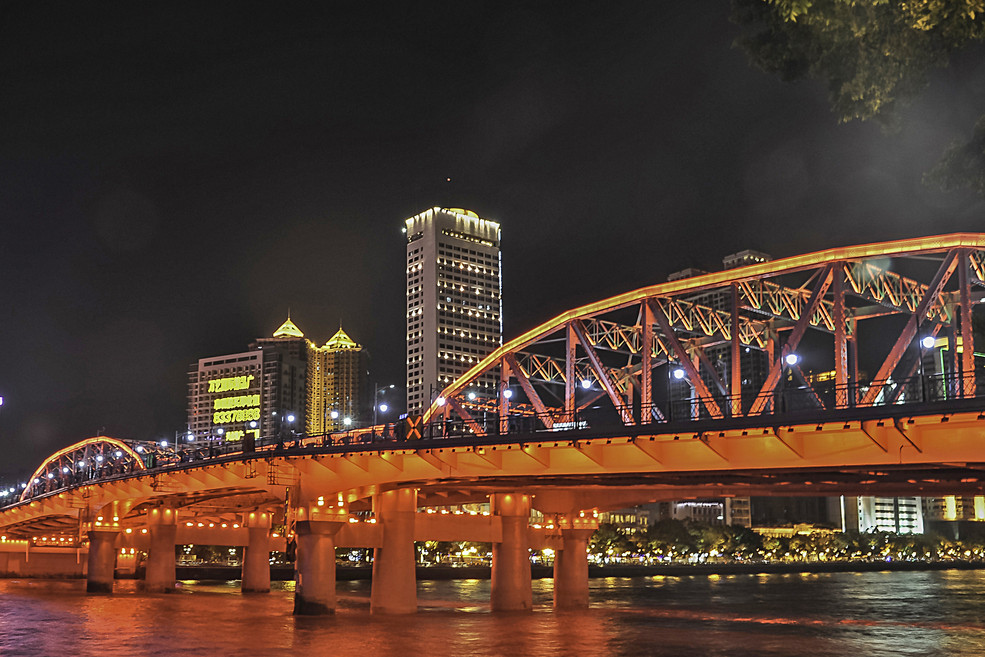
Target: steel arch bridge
[[724, 345]]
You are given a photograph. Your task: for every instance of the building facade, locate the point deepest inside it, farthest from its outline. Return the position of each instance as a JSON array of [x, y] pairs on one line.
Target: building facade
[[454, 300], [336, 378], [282, 387]]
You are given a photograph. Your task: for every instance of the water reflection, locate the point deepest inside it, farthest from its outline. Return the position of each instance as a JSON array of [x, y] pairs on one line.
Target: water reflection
[[831, 615]]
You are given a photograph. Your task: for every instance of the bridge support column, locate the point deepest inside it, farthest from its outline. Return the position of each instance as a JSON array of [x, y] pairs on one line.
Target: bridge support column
[[394, 563], [256, 559], [159, 577], [571, 566], [314, 592], [511, 587], [102, 561]]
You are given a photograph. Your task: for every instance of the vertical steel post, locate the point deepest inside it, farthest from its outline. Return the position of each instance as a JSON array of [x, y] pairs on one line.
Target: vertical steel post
[[841, 347], [504, 401], [646, 374], [967, 336], [570, 343]]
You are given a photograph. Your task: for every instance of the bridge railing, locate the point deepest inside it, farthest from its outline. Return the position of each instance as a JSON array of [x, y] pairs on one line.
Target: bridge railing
[[787, 401]]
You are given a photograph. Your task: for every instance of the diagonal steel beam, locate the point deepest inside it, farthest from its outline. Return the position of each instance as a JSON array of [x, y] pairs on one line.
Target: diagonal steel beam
[[603, 376], [692, 372], [910, 330], [467, 417], [820, 288], [528, 389]]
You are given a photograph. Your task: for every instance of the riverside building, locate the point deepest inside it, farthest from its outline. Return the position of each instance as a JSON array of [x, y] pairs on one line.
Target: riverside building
[[282, 387], [454, 301]]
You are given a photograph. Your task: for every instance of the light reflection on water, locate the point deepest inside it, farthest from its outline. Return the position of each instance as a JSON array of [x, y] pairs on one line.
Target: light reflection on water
[[830, 615]]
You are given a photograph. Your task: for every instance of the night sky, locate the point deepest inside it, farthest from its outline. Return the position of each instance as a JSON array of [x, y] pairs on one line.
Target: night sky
[[174, 177]]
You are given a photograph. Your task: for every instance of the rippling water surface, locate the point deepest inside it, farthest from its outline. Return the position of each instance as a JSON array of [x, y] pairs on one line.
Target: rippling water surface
[[832, 614]]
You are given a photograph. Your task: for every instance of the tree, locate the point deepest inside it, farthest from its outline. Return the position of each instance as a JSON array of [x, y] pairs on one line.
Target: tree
[[873, 55]]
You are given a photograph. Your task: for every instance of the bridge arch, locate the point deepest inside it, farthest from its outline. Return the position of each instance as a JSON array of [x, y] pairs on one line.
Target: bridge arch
[[85, 459], [727, 344]]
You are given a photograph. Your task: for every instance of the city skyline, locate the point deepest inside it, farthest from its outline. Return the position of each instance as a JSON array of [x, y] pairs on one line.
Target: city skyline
[[169, 186]]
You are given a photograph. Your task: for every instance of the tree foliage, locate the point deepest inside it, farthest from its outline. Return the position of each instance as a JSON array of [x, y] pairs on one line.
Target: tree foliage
[[873, 56]]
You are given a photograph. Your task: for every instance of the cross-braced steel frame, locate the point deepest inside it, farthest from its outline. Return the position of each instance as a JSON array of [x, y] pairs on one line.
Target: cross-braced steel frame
[[688, 349]]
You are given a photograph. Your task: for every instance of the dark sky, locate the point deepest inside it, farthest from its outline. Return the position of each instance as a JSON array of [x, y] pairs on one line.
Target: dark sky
[[174, 177]]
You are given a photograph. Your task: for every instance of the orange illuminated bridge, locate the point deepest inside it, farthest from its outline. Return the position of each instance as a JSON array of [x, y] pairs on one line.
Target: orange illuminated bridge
[[846, 371]]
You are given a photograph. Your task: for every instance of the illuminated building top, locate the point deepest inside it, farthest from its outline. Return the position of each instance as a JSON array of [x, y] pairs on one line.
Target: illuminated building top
[[341, 341], [288, 330]]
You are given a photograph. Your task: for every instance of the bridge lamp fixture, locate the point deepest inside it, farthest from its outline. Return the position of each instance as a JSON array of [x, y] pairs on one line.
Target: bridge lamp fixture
[[220, 431], [384, 408], [586, 384], [99, 459], [334, 415], [440, 401], [164, 443], [471, 396], [508, 393], [51, 475], [253, 424], [679, 373], [23, 485], [37, 481], [290, 418], [791, 359], [189, 436], [117, 453], [347, 421], [65, 470], [140, 449], [82, 464], [928, 342]]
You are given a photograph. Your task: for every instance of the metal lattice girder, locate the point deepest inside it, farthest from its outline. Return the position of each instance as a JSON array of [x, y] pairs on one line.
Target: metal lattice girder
[[692, 372], [601, 373], [868, 280], [87, 454], [820, 288], [528, 389], [910, 330], [977, 267], [767, 302], [781, 302]]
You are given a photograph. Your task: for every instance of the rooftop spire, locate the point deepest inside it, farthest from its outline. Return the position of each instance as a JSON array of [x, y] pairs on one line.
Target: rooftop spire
[[288, 329]]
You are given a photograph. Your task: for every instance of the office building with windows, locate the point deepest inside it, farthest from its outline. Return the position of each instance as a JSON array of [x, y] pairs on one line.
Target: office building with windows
[[454, 301], [282, 387]]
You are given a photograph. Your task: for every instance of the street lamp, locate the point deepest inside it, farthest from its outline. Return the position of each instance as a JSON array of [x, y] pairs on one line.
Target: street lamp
[[382, 408], [927, 343]]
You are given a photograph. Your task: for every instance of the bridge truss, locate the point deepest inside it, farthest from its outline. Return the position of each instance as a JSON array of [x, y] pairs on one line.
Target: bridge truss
[[734, 344]]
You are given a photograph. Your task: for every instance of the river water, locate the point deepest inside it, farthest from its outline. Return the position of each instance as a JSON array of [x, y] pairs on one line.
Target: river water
[[831, 614]]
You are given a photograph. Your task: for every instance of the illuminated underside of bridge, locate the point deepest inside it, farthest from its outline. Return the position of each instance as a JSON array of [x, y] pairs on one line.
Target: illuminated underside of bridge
[[549, 442]]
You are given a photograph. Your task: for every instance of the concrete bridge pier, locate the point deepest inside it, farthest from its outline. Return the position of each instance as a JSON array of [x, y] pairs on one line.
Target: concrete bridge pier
[[159, 577], [314, 592], [102, 560], [511, 587], [394, 562], [256, 557], [571, 565]]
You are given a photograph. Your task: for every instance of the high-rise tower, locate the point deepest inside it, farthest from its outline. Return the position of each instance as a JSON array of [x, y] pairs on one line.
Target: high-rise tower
[[454, 300]]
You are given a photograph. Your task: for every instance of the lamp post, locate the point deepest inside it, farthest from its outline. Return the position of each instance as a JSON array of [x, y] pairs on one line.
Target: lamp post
[[377, 406], [791, 361], [926, 344]]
